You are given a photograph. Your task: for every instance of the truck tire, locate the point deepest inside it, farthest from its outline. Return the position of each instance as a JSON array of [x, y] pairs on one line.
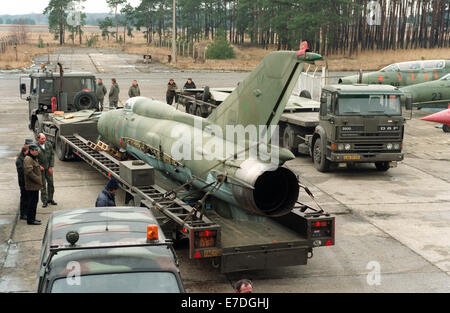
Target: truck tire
[[85, 101], [446, 128], [305, 94], [382, 166], [320, 161], [290, 139], [60, 148]]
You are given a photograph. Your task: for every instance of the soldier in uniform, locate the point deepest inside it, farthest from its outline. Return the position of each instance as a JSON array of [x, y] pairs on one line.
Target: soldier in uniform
[[46, 160], [21, 177], [114, 94], [100, 93], [170, 94], [134, 90], [33, 183]]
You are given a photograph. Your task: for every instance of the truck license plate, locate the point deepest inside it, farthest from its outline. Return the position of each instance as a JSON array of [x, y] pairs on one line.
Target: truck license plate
[[211, 253], [352, 157]]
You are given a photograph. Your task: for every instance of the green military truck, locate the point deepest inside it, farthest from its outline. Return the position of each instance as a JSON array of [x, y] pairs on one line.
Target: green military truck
[[355, 124], [49, 93], [351, 124], [98, 250]]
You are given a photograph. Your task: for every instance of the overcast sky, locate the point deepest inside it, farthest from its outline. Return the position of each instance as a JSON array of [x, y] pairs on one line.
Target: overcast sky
[[38, 6]]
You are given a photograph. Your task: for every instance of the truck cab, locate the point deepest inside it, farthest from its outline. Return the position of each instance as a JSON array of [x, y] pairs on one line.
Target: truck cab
[[358, 124], [47, 93], [107, 250]]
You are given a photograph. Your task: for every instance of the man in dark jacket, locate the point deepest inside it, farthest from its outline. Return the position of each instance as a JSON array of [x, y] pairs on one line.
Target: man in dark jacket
[[189, 84], [170, 94], [134, 90], [100, 92], [33, 183], [106, 197], [46, 159], [20, 175]]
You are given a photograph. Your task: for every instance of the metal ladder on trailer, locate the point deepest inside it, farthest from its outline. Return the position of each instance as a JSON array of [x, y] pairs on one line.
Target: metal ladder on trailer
[[152, 196]]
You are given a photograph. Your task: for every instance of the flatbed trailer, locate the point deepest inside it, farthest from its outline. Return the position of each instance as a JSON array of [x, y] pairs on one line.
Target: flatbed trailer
[[231, 245]]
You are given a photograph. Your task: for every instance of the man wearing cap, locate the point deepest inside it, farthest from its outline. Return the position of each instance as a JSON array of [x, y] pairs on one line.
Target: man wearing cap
[[33, 183], [106, 197], [46, 159], [20, 175], [134, 90]]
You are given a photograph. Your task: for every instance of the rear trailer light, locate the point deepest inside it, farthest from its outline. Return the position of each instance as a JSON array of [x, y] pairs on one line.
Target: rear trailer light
[[205, 239]]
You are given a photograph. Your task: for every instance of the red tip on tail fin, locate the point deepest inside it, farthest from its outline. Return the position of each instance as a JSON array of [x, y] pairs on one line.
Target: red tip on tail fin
[[303, 49]]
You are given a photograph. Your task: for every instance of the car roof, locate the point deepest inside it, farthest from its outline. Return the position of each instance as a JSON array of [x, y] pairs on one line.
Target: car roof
[[104, 231]]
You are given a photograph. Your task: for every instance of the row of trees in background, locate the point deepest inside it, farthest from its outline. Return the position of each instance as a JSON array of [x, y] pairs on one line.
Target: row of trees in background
[[331, 26]]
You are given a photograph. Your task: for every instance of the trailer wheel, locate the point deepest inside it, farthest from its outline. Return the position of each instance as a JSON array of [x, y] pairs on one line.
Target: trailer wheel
[[446, 128], [290, 140], [60, 148], [320, 161], [382, 166], [215, 262], [305, 94]]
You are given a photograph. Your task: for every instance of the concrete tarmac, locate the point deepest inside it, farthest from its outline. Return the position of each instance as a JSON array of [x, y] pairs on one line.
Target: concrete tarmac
[[394, 223]]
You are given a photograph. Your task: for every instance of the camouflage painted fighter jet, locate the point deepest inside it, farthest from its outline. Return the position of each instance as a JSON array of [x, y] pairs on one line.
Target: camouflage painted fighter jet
[[434, 94], [242, 186], [403, 74]]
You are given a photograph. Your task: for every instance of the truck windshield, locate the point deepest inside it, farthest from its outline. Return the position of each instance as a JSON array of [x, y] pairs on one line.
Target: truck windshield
[[146, 282], [369, 105]]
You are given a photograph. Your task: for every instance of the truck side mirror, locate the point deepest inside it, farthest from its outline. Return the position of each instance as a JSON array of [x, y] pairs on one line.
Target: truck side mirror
[[23, 89], [408, 103]]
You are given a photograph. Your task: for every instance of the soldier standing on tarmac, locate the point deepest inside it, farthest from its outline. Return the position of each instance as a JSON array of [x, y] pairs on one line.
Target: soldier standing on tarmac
[[46, 160], [100, 93], [170, 94], [114, 94], [134, 90], [21, 177], [33, 183]]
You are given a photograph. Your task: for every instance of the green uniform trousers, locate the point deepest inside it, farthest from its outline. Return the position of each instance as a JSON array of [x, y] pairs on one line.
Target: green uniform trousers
[[48, 190]]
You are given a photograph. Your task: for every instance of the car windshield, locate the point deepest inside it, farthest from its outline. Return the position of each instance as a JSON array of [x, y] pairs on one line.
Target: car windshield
[[369, 105], [142, 282]]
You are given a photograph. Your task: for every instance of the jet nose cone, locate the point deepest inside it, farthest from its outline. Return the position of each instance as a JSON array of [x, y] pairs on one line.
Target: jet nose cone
[[442, 117]]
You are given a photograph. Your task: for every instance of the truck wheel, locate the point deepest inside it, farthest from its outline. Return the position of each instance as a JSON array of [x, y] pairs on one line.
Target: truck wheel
[[60, 148], [290, 140], [446, 128], [85, 101], [320, 161], [382, 166]]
